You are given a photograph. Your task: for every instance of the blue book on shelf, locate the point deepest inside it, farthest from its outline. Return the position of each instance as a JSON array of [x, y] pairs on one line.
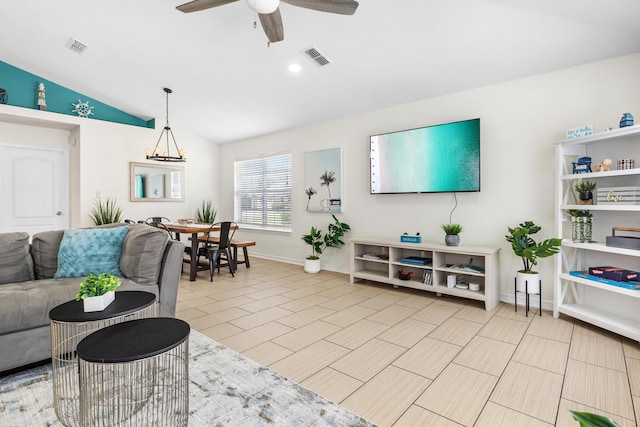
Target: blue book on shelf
[[415, 260], [627, 285]]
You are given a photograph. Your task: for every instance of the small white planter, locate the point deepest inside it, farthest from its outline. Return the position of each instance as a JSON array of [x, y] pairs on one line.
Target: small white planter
[[532, 282], [312, 265], [99, 303]]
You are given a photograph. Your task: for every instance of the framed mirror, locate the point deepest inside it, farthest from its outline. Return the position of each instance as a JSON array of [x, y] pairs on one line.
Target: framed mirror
[[323, 180], [156, 182]]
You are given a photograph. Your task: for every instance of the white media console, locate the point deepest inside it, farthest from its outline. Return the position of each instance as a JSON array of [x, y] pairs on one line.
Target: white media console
[[382, 261]]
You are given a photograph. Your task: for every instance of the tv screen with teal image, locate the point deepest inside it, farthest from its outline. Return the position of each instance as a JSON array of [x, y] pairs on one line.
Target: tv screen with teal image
[[432, 159]]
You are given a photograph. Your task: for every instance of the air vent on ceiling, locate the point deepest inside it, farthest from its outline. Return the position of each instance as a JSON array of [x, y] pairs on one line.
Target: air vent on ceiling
[[316, 56], [76, 45]]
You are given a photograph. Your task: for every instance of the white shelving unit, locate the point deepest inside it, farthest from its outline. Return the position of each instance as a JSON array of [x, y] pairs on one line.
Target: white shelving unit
[[446, 260], [610, 307]]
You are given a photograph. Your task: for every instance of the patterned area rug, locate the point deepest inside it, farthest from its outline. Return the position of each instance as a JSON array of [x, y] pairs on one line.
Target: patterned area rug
[[226, 389]]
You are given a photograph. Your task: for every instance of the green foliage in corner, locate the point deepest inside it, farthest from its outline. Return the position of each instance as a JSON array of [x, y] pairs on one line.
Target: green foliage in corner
[[206, 213], [528, 249], [587, 419], [332, 239], [107, 212]]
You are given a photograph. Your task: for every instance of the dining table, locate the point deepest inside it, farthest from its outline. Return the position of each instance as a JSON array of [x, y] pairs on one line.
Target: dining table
[[195, 230]]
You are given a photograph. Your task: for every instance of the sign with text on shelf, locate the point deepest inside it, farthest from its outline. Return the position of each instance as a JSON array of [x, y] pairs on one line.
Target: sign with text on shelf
[[580, 131]]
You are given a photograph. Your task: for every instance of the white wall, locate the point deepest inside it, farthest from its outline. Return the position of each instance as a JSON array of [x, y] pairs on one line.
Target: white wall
[[520, 121], [99, 156]]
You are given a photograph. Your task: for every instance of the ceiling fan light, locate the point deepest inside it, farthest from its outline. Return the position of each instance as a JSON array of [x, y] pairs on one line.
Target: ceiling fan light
[[263, 7]]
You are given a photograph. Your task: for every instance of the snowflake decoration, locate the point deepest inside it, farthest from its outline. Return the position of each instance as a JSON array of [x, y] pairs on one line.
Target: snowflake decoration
[[82, 108]]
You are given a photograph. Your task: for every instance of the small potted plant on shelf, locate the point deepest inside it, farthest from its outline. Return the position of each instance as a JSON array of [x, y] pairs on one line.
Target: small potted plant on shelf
[[530, 251], [452, 232], [585, 192], [97, 292], [318, 242]]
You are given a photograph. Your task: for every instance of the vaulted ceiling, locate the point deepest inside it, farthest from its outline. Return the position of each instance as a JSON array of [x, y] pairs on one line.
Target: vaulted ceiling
[[228, 84]]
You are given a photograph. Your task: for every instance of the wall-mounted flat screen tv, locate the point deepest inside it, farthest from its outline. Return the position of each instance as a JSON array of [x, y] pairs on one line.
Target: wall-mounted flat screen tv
[[433, 159]]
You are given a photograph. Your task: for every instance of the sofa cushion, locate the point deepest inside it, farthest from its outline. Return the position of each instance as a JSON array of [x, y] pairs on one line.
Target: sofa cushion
[[16, 264], [26, 305], [142, 253], [44, 250], [93, 250]]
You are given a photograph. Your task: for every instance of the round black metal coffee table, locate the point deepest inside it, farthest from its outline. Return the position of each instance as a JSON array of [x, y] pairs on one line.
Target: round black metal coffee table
[[69, 325], [135, 373]]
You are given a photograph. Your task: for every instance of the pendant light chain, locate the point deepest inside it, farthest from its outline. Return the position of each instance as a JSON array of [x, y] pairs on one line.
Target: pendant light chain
[[165, 157]]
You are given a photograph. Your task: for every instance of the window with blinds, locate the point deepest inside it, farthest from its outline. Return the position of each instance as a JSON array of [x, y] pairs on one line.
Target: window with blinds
[[262, 195]]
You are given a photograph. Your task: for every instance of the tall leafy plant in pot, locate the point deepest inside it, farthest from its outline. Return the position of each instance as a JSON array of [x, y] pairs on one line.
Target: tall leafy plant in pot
[[530, 251], [319, 242], [206, 213], [107, 212]]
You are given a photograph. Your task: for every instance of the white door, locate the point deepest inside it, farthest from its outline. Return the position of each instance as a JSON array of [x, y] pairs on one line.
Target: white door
[[34, 186]]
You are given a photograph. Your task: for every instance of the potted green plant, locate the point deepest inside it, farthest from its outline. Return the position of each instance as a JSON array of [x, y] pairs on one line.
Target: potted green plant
[[318, 242], [107, 212], [587, 419], [530, 251], [206, 213], [452, 232], [97, 292], [585, 191]]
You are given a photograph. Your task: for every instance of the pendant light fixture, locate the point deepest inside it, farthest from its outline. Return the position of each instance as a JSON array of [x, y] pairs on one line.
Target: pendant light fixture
[[181, 155]]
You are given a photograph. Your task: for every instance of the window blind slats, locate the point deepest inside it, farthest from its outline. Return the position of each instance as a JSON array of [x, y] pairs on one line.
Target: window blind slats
[[263, 191]]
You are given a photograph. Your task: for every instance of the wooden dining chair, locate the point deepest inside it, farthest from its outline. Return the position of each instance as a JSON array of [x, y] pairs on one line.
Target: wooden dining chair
[[220, 251]]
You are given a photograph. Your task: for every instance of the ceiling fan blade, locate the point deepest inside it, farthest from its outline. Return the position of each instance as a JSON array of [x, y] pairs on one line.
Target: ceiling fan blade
[[196, 5], [272, 26], [342, 7]]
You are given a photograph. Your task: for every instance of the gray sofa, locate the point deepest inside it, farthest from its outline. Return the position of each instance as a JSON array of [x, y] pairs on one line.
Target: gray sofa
[[149, 261]]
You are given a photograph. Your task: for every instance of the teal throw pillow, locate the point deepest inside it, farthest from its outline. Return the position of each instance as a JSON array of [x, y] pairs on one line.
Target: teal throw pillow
[[92, 250]]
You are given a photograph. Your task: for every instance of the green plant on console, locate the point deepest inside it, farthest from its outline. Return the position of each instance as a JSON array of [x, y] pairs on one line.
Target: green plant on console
[[332, 239], [106, 213], [452, 229], [206, 213], [528, 249], [587, 419], [94, 286]]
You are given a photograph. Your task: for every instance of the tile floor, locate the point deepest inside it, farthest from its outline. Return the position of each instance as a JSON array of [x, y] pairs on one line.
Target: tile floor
[[400, 357]]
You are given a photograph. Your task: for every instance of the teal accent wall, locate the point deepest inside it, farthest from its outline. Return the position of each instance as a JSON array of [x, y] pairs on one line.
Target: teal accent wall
[[22, 91]]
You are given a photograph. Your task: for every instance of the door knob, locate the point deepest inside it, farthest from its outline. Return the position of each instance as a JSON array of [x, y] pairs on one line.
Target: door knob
[[58, 213]]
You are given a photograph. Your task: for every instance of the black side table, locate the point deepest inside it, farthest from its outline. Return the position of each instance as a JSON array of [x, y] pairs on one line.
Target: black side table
[[69, 325], [135, 373]]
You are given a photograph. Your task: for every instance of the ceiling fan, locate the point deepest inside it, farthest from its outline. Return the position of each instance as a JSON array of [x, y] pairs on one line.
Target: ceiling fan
[[269, 11]]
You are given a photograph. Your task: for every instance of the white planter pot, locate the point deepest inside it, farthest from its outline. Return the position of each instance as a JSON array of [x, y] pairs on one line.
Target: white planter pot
[[99, 303], [311, 265], [532, 282]]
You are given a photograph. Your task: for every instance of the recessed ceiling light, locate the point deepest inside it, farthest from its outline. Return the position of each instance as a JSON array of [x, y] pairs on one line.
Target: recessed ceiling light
[[295, 68]]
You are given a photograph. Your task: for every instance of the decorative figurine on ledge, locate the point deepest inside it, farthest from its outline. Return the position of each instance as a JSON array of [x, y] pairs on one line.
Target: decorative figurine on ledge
[[602, 166], [42, 103], [626, 120], [583, 165]]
